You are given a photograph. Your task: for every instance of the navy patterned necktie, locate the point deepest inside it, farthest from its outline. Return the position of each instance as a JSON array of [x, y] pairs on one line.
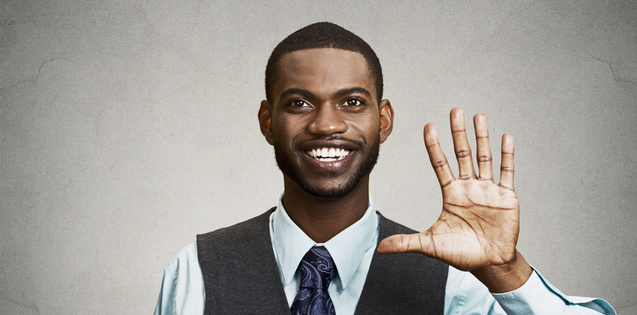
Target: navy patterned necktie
[[317, 271]]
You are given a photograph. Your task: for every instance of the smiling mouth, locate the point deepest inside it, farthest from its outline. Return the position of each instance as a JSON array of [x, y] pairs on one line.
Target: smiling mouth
[[328, 154]]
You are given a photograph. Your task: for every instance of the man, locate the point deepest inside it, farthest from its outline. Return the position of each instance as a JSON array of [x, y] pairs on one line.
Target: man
[[324, 249]]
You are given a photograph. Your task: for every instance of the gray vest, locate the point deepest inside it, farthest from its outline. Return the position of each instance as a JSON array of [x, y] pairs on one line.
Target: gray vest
[[241, 276]]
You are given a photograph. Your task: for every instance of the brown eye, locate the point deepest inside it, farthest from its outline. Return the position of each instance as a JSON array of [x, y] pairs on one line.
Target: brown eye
[[299, 104], [353, 103]]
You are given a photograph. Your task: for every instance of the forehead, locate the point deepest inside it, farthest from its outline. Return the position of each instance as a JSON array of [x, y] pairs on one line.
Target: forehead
[[323, 70]]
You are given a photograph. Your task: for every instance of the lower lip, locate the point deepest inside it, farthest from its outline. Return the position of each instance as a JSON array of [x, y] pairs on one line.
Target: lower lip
[[330, 166]]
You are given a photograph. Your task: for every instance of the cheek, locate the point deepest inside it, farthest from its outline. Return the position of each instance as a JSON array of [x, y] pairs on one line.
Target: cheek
[[283, 133], [369, 128], [287, 127]]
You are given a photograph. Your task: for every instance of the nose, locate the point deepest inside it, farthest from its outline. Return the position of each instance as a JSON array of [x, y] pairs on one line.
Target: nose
[[327, 120]]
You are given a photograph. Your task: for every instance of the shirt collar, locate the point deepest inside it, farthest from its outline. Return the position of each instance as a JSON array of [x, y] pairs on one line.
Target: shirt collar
[[346, 248]]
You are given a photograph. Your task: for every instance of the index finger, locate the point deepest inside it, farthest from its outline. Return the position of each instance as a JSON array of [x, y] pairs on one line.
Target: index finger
[[436, 156]]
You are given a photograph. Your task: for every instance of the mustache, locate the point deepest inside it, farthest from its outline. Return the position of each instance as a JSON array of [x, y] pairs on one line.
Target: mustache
[[337, 141]]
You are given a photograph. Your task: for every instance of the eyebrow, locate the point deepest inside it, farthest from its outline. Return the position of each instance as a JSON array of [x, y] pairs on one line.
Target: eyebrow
[[309, 95], [354, 90], [305, 93]]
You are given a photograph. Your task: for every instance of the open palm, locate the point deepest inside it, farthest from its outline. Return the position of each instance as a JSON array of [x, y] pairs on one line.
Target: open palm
[[479, 223]]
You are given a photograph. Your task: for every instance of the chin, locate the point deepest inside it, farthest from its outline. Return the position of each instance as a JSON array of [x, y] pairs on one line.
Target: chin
[[293, 171], [330, 192]]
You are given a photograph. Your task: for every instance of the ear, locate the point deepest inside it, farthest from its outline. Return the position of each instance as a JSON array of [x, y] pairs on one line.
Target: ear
[[265, 121], [386, 119]]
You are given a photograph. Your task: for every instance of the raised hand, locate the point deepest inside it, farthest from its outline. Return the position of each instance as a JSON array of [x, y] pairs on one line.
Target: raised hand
[[478, 227]]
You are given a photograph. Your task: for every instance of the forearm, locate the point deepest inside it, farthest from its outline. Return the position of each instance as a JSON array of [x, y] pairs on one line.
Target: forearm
[[539, 297]]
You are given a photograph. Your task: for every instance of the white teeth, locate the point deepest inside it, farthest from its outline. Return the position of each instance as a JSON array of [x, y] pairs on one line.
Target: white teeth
[[328, 154]]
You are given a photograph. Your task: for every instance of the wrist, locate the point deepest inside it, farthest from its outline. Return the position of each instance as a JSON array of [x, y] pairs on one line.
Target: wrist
[[505, 277]]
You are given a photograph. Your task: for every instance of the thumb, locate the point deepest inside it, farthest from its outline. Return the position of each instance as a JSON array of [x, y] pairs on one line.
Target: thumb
[[404, 243]]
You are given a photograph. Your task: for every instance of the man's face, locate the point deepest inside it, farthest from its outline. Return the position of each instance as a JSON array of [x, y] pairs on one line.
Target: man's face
[[324, 122]]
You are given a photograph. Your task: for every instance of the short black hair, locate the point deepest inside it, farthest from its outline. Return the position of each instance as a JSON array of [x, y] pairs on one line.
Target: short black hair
[[323, 35]]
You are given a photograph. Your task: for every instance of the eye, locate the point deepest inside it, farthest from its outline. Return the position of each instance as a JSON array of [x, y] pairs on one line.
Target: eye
[[352, 103], [299, 104]]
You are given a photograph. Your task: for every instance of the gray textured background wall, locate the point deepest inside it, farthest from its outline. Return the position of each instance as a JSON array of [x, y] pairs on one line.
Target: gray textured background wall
[[126, 127]]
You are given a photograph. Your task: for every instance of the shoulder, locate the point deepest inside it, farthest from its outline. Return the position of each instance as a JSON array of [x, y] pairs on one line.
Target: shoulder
[[187, 261], [233, 244], [239, 230], [184, 262]]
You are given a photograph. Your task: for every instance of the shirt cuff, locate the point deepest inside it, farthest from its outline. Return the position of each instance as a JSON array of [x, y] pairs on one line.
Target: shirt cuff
[[538, 296]]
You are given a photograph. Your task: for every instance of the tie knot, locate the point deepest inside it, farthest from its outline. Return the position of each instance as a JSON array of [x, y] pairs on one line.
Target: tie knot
[[317, 268]]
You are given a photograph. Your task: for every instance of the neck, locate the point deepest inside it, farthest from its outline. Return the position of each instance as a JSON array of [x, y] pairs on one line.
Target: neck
[[323, 218]]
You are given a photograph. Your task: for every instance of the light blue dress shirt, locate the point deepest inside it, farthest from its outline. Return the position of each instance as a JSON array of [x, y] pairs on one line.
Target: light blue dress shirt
[[182, 290]]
